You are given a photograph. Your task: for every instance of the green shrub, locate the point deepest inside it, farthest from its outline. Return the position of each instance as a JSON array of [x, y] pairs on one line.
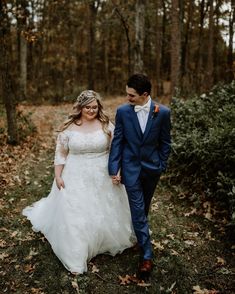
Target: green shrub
[[203, 132]]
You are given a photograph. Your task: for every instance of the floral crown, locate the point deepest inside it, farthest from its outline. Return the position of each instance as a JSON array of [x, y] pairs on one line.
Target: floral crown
[[87, 96]]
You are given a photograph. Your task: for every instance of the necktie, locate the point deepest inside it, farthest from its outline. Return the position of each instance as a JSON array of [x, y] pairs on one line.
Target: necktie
[[139, 108]]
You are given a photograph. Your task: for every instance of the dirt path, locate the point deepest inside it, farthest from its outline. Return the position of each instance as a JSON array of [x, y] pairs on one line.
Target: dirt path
[[192, 253]]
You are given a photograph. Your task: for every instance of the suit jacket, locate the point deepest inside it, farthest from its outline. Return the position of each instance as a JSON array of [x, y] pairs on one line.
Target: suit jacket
[[132, 151]]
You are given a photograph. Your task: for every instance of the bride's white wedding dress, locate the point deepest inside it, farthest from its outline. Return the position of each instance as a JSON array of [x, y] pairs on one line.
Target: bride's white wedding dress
[[90, 215]]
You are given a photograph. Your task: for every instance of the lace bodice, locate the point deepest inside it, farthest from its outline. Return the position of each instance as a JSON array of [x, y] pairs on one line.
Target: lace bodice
[[75, 142]]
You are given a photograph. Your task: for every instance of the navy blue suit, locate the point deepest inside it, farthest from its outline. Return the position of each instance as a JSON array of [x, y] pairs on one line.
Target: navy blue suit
[[142, 158]]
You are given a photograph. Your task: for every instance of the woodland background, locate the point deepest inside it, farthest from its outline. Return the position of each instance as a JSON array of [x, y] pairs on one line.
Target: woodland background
[[52, 50]]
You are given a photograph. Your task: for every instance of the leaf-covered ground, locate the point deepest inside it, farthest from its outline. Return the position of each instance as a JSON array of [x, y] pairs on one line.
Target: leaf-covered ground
[[192, 251]]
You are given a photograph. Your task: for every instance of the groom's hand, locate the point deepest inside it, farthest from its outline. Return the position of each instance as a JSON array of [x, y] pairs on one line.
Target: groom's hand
[[116, 179]]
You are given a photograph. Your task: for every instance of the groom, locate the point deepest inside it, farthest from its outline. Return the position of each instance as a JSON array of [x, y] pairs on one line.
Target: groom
[[140, 149]]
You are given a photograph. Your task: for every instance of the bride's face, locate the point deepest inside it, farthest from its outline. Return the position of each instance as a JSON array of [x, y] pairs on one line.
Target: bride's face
[[90, 110]]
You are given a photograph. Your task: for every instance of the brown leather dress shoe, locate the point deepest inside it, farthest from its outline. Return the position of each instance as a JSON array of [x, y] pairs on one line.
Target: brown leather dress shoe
[[145, 269], [146, 266]]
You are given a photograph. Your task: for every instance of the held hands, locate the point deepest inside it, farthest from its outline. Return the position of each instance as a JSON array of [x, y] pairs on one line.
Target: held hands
[[116, 179], [59, 182]]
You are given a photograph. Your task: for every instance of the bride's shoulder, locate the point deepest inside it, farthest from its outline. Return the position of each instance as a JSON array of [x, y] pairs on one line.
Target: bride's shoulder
[[72, 127]]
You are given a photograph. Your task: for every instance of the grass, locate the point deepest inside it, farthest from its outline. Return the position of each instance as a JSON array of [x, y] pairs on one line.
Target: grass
[[190, 250]]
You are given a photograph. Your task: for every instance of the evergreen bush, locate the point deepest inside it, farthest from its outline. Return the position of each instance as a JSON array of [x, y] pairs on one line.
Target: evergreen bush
[[203, 133]]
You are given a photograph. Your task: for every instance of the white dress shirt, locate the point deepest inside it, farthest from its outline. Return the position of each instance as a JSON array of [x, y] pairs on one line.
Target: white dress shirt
[[143, 113]]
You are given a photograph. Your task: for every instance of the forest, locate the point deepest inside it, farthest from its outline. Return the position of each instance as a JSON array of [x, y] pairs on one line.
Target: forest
[[50, 51]]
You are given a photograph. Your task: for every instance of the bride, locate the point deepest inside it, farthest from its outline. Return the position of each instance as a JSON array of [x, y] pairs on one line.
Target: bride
[[84, 214]]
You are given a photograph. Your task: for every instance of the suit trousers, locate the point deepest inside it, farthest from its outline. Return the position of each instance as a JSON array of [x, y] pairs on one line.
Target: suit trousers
[[140, 195]]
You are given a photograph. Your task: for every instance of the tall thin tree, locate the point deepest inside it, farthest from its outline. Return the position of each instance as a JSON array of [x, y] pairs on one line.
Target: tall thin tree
[[6, 77], [139, 35], [210, 64], [175, 46]]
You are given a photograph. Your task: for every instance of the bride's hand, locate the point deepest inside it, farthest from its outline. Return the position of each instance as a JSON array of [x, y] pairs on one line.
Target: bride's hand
[[116, 180], [59, 183]]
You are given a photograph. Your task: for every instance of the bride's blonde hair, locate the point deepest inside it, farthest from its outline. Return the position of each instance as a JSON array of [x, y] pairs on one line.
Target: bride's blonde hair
[[83, 99]]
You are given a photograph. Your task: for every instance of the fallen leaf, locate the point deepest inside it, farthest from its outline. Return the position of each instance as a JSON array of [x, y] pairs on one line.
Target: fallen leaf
[[75, 285], [154, 206], [173, 252], [124, 280], [29, 268], [32, 253], [37, 291], [143, 284], [94, 269], [157, 245], [171, 287], [220, 261], [198, 290], [3, 255], [190, 242], [194, 211], [171, 236]]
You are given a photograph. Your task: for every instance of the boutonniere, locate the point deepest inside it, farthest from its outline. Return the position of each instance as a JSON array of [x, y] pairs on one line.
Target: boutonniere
[[155, 110]]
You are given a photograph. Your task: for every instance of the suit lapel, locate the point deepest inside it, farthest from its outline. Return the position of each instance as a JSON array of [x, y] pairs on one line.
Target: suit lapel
[[149, 121], [135, 121]]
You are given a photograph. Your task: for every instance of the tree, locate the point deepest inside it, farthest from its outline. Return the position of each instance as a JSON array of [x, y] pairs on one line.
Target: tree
[[92, 11], [210, 64], [22, 28], [175, 46], [230, 47], [6, 77], [140, 8]]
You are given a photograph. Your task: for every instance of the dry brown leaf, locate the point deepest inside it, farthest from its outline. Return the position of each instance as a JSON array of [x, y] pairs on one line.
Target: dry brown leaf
[[173, 252], [220, 261], [143, 284], [190, 242], [3, 255], [171, 236], [157, 245], [193, 211], [75, 285], [154, 206], [124, 280], [29, 268], [3, 243], [198, 290], [37, 291], [94, 269]]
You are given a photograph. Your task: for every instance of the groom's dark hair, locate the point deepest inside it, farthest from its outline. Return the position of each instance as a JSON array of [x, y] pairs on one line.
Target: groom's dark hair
[[140, 83]]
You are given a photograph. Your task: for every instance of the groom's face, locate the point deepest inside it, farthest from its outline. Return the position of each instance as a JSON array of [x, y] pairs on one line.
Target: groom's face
[[134, 98]]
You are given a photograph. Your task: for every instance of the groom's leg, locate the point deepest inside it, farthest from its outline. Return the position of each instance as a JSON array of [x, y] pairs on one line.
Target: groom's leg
[[149, 183], [139, 220]]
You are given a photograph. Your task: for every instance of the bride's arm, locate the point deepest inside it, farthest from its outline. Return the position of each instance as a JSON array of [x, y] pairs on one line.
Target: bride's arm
[[60, 158], [58, 178]]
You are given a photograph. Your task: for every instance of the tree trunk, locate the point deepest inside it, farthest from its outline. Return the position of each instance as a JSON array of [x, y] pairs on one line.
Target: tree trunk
[[126, 28], [139, 36], [91, 44], [23, 47], [7, 81], [158, 50], [198, 61], [23, 66], [210, 65], [175, 47], [230, 46]]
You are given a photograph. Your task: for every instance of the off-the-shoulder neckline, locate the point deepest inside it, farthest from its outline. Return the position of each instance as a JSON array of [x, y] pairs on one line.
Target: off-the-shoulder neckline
[[85, 133]]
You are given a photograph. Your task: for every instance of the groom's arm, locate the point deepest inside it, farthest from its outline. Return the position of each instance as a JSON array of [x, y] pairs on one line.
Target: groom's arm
[[116, 146], [165, 139]]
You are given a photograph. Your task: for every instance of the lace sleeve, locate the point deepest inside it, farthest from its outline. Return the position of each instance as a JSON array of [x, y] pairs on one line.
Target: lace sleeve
[[62, 149]]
